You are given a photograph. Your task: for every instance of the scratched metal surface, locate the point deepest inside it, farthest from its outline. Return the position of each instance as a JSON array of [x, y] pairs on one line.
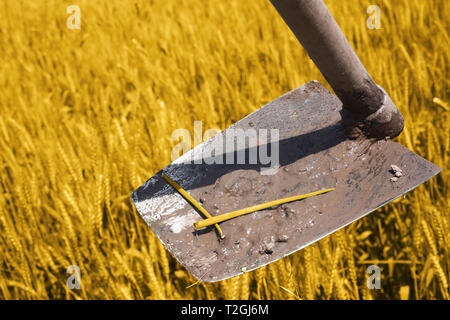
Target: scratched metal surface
[[314, 154]]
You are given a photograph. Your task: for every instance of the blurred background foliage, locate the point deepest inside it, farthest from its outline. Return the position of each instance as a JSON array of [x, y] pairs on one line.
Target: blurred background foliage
[[87, 117]]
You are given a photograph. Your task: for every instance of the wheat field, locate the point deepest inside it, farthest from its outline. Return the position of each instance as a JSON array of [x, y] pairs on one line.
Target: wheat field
[[86, 117]]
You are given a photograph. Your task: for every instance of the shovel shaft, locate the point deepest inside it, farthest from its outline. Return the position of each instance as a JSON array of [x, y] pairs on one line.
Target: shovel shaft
[[324, 41]]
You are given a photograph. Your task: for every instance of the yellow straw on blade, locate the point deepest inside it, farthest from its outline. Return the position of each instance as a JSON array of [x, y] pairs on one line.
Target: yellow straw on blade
[[188, 197], [234, 214]]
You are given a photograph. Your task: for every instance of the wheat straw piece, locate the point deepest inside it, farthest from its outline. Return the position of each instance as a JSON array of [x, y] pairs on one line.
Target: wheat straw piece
[[234, 214], [188, 197]]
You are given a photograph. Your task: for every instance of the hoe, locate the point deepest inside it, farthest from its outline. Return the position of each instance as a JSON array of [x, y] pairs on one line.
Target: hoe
[[222, 209]]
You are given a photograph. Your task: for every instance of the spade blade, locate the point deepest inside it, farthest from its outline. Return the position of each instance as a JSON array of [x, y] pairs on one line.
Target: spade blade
[[314, 153]]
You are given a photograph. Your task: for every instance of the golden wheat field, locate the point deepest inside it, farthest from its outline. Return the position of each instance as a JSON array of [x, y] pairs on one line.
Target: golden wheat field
[[86, 117]]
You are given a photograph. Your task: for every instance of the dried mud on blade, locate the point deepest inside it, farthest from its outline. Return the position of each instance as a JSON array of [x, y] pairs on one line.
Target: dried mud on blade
[[314, 153]]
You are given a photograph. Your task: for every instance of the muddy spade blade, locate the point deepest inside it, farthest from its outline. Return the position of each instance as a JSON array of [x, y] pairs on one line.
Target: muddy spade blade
[[314, 153], [297, 144]]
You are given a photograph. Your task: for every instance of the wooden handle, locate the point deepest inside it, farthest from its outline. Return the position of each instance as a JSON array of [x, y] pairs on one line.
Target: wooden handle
[[320, 35]]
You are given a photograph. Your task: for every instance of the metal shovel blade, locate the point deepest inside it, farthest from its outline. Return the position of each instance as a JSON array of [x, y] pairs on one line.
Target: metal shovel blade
[[314, 154]]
